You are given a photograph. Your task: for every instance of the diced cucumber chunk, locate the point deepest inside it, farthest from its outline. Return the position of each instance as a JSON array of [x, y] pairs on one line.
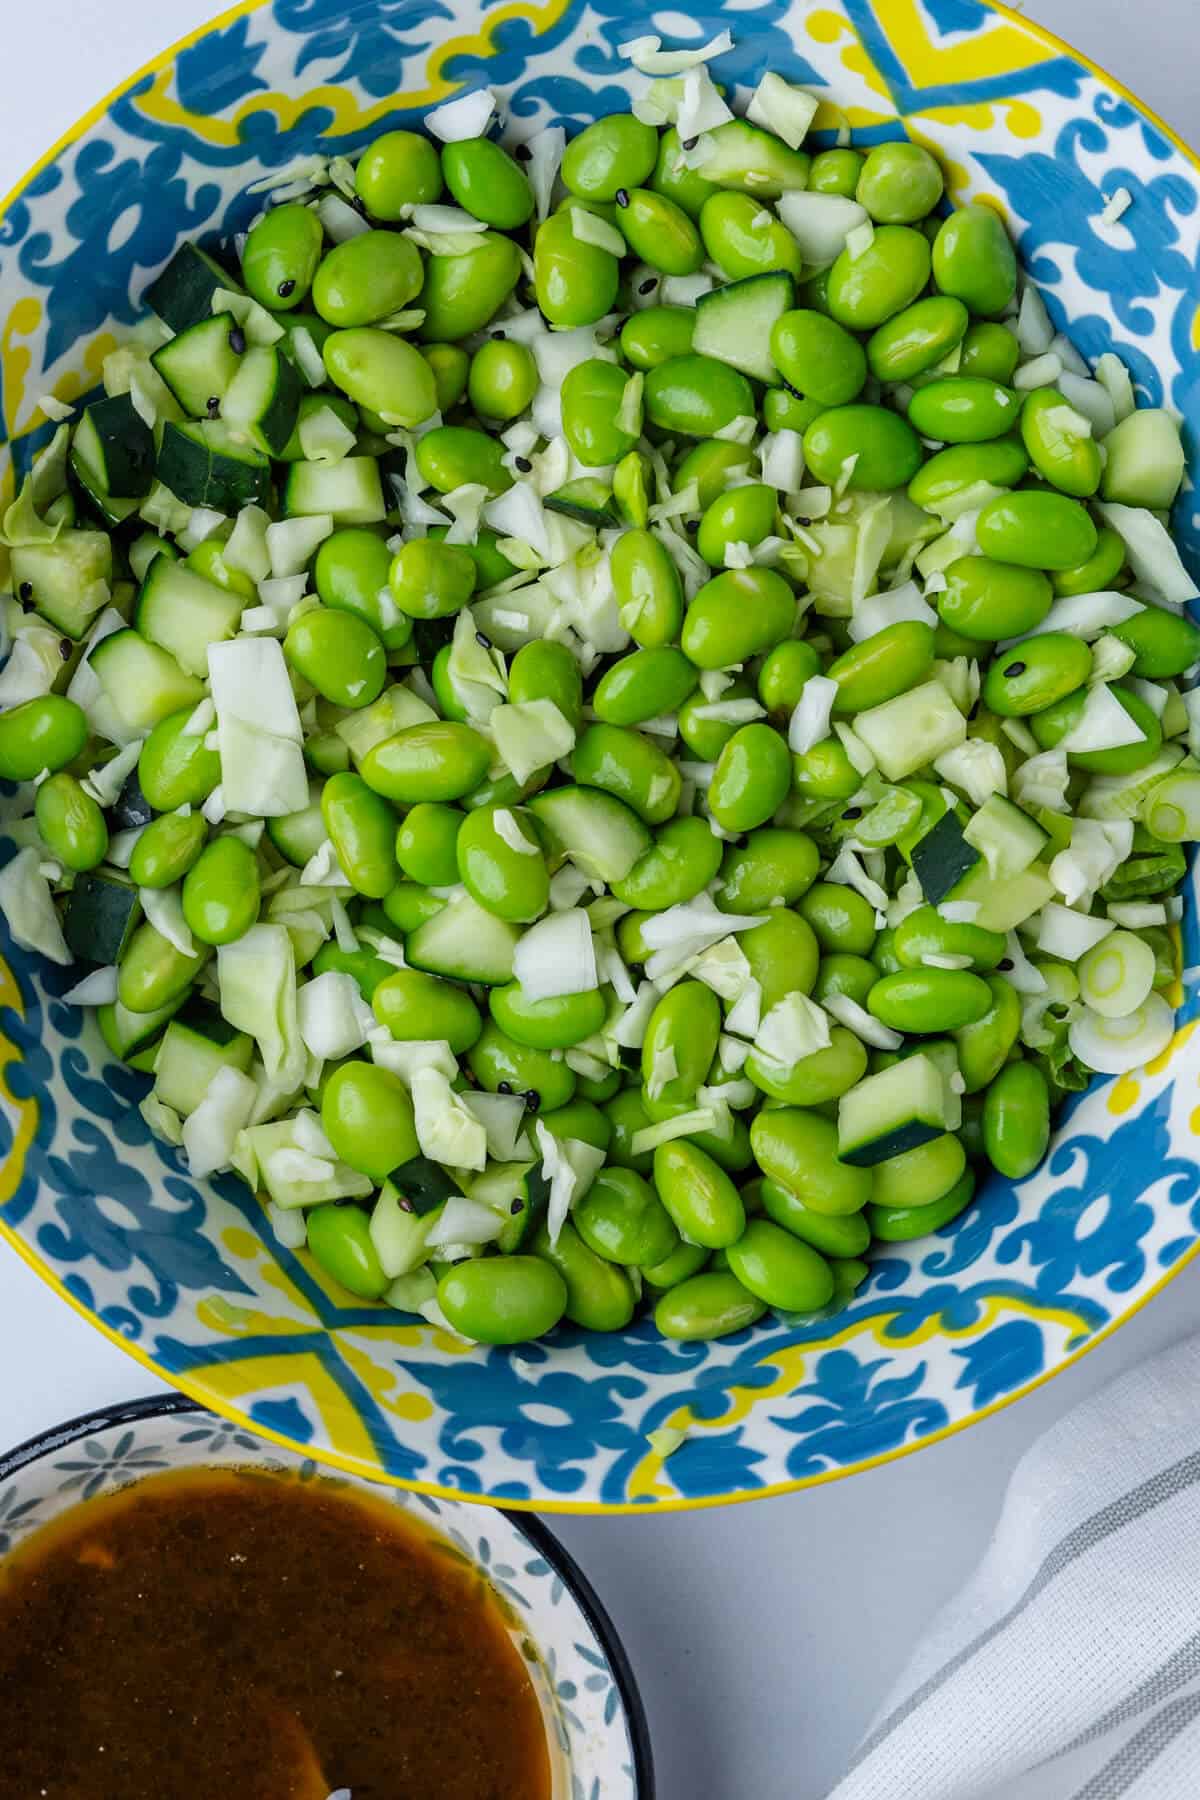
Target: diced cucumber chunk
[[601, 835], [203, 465], [734, 322], [900, 1107], [183, 294], [466, 943], [350, 491], [68, 580], [200, 364], [183, 613], [1008, 839], [142, 682], [189, 1057]]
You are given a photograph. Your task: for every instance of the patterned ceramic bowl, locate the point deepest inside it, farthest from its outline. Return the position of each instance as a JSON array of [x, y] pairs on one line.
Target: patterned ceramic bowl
[[188, 1277], [595, 1725]]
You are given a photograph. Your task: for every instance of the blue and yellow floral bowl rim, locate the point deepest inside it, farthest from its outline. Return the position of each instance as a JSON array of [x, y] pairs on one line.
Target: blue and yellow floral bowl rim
[[186, 1276]]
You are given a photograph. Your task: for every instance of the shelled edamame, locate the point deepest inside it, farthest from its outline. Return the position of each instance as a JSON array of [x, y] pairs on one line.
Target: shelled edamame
[[607, 721]]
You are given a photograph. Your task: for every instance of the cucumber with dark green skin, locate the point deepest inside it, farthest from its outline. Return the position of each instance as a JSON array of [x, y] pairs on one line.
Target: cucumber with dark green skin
[[200, 363], [586, 498], [183, 294], [203, 466], [113, 450], [264, 401], [125, 1032], [131, 807], [196, 1046], [100, 915], [423, 1184], [68, 580], [942, 857]]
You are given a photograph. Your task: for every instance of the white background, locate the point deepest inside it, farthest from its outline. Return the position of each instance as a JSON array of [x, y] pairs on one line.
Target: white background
[[763, 1635]]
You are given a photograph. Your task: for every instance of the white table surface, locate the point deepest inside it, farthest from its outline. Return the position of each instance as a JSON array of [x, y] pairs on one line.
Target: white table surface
[[763, 1635]]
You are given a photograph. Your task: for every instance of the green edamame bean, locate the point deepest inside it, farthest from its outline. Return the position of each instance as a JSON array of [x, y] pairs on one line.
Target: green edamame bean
[[626, 1113], [367, 277], [627, 764], [451, 368], [844, 973], [656, 334], [153, 973], [986, 600], [350, 573], [513, 884], [738, 245], [462, 294], [591, 397], [883, 954], [503, 379], [1040, 530], [702, 1201], [840, 918], [425, 844], [503, 1299], [281, 255], [963, 409], [622, 1219], [451, 455], [899, 184], [1002, 462], [367, 1116], [442, 760], [921, 1175], [1016, 1120], [1166, 643], [821, 1076], [798, 1151], [1036, 673], [631, 488], [973, 259], [885, 447], [680, 1043], [362, 828], [916, 339], [751, 779], [380, 370], [598, 1090], [339, 654], [399, 169], [882, 280], [836, 172], [922, 1001], [782, 676], [894, 660], [615, 152], [679, 864], [681, 1265], [174, 768], [900, 1224], [547, 671], [44, 733], [500, 1064], [646, 684], [72, 826], [709, 1305], [339, 1238], [739, 614], [706, 737], [554, 1024], [1055, 722], [600, 1296], [825, 772], [221, 893], [166, 849], [415, 1006], [773, 864], [659, 231], [672, 177], [487, 183], [342, 409], [430, 580], [208, 560], [780, 1268], [1099, 571], [648, 590], [696, 395], [575, 282], [367, 969], [925, 933], [326, 753], [1065, 457], [783, 954], [744, 515], [984, 1044], [710, 466], [834, 1234], [408, 906], [785, 411], [990, 350]]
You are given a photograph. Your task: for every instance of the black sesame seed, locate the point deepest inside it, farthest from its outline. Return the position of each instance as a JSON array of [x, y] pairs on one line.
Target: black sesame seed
[[25, 592], [852, 812], [688, 143], [484, 642], [523, 153], [1004, 965], [622, 196], [532, 1100], [804, 521], [286, 288], [405, 1204], [1014, 669], [504, 1087], [497, 337], [518, 1206], [237, 340], [214, 405], [648, 286], [65, 648], [523, 463]]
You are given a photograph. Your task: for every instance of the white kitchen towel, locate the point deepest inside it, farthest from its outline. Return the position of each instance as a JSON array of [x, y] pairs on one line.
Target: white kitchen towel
[[1068, 1668]]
